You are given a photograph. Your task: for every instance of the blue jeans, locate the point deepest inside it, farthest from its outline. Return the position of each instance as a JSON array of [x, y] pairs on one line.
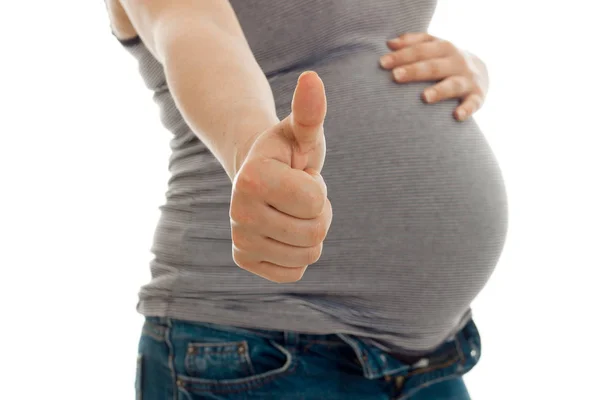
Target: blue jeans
[[180, 360]]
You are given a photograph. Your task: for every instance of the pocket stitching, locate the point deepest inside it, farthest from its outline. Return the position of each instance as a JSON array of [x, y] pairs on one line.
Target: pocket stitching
[[189, 364], [199, 385]]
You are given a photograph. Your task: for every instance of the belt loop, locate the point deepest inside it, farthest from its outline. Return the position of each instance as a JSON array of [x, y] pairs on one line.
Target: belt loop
[[459, 344], [291, 339], [370, 365]]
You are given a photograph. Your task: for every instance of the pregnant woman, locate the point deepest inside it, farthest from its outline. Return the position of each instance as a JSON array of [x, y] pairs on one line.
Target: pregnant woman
[[324, 232]]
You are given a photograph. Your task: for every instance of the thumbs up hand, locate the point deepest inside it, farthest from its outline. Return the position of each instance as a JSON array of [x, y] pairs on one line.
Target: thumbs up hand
[[279, 211]]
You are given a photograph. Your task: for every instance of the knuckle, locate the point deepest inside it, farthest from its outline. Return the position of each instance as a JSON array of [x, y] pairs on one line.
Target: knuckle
[[241, 214], [418, 51], [434, 67], [396, 57], [316, 203], [236, 235], [465, 65], [328, 215], [240, 261], [409, 54], [458, 84], [447, 46], [313, 254], [240, 239], [248, 180], [317, 232]]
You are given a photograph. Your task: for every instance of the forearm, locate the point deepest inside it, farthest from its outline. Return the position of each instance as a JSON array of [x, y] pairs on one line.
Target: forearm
[[218, 87]]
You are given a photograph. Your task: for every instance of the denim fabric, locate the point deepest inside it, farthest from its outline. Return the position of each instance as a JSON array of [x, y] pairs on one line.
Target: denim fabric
[[181, 360]]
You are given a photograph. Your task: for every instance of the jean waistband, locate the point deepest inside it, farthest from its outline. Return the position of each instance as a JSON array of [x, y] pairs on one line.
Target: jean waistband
[[462, 350]]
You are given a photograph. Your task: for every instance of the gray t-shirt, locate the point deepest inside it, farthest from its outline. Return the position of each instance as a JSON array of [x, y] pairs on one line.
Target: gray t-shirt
[[419, 204]]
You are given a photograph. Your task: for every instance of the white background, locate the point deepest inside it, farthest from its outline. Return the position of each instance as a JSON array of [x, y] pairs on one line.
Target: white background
[[84, 167]]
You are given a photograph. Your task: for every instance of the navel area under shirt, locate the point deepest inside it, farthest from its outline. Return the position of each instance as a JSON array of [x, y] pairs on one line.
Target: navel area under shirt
[[419, 203]]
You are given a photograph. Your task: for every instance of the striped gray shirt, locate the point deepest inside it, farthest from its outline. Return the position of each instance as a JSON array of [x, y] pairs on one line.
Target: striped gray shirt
[[419, 204]]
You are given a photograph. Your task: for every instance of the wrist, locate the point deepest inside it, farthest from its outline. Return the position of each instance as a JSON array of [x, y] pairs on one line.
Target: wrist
[[241, 152], [242, 133]]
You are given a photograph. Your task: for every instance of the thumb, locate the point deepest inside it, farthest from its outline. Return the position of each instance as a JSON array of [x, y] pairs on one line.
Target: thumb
[[309, 106]]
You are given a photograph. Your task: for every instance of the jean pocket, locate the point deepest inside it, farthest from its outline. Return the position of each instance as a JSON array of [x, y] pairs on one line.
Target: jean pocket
[[218, 361], [234, 365], [138, 377]]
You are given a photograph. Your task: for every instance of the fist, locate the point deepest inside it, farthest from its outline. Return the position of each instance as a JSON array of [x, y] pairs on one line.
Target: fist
[[280, 213]]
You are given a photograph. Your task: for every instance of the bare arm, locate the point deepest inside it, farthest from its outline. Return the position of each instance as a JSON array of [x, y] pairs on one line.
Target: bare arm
[[215, 80]]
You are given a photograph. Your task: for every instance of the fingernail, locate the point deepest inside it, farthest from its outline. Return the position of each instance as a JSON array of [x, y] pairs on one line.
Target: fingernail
[[429, 95], [386, 61], [399, 73], [460, 113], [302, 74], [394, 41]]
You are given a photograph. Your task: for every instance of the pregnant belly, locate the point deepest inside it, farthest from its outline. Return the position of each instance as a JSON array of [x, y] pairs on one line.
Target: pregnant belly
[[419, 205]]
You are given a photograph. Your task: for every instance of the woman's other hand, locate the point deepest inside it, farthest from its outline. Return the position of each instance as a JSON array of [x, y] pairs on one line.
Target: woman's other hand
[[423, 57]]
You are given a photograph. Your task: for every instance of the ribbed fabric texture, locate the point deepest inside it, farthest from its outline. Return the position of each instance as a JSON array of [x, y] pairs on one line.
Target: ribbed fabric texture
[[419, 204]]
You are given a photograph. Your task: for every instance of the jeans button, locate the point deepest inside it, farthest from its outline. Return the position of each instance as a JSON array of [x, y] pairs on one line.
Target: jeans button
[[399, 382]]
